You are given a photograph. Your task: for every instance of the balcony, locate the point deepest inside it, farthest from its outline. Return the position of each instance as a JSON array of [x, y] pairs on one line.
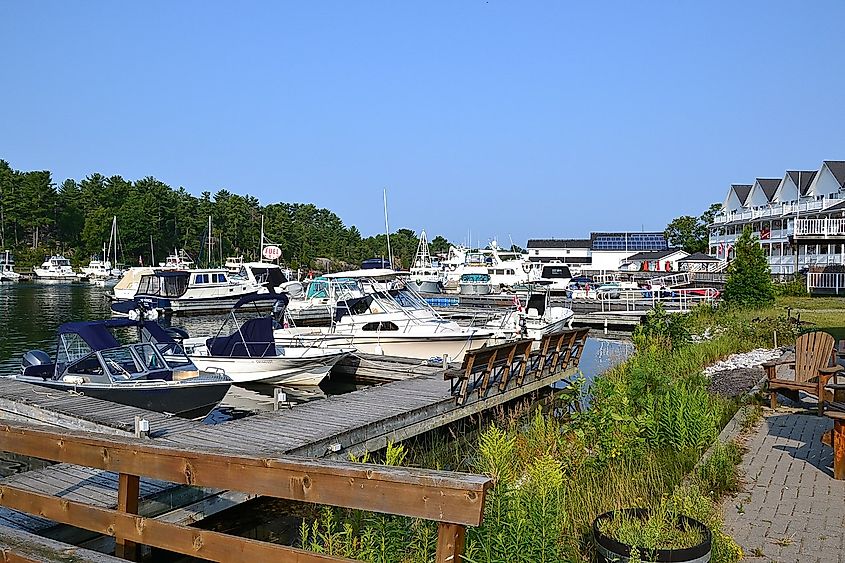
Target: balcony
[[820, 228], [779, 210]]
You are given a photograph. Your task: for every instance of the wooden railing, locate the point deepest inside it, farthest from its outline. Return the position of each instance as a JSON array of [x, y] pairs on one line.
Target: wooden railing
[[454, 500], [495, 368]]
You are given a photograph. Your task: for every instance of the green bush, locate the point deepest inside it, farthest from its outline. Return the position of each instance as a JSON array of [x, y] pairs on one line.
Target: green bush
[[794, 288], [749, 282]]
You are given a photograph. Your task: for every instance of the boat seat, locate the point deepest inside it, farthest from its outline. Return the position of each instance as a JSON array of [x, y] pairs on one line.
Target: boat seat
[[253, 340]]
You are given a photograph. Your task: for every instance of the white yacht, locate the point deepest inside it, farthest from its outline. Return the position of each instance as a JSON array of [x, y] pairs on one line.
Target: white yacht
[[273, 277], [424, 274], [7, 268], [56, 268], [179, 260], [505, 268], [386, 319], [186, 292]]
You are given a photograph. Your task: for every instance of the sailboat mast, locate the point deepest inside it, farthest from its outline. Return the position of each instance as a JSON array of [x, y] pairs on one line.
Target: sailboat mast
[[261, 242], [387, 231], [152, 253], [209, 241]]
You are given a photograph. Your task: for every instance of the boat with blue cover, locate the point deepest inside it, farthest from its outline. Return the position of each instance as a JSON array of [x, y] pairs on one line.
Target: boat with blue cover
[[151, 373]]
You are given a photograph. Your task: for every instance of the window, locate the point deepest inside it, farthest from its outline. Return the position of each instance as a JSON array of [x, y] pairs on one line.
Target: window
[[379, 326], [218, 278], [87, 366], [120, 362], [151, 359], [201, 278]]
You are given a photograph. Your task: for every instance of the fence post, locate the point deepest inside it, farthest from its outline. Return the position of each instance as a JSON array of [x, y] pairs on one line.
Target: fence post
[[451, 539], [128, 490]]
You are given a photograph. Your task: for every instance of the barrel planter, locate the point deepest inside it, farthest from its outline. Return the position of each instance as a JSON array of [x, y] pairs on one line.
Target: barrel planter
[[614, 551]]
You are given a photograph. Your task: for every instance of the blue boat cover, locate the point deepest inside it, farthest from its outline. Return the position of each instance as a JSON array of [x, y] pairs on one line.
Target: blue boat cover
[[98, 336], [268, 297], [253, 340]]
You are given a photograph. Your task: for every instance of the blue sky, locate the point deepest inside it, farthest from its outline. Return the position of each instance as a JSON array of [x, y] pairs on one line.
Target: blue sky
[[522, 119]]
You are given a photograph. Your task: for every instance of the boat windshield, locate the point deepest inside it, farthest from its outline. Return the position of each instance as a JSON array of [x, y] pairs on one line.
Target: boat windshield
[[475, 278], [61, 262], [150, 356], [120, 362]]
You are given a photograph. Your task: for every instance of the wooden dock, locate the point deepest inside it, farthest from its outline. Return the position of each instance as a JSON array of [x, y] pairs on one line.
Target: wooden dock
[[418, 398]]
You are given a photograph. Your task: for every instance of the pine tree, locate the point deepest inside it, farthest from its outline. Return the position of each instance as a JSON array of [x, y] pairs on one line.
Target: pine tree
[[749, 282]]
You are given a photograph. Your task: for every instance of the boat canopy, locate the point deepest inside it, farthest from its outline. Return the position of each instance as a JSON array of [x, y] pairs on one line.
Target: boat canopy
[[262, 298], [98, 336], [254, 339], [164, 284]]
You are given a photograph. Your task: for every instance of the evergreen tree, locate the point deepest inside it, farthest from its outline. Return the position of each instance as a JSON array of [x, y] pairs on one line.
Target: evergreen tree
[[749, 282]]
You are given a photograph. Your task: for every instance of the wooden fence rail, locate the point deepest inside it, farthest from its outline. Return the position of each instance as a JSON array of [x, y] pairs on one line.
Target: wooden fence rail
[[454, 500]]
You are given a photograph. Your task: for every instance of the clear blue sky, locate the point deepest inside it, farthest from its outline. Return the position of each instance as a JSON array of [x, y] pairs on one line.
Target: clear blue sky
[[528, 119]]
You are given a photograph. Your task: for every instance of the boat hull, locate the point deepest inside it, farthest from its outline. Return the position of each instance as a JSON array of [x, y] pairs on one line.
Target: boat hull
[[288, 370], [455, 346], [475, 288], [186, 401]]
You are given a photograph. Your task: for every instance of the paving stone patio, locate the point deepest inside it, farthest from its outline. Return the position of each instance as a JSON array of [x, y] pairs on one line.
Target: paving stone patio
[[791, 509]]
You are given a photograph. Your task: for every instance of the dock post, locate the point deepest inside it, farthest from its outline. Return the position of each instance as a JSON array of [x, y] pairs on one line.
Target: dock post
[[445, 363], [451, 539], [142, 427], [128, 490]]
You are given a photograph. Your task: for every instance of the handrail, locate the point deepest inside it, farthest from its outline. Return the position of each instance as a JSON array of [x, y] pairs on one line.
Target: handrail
[[454, 500]]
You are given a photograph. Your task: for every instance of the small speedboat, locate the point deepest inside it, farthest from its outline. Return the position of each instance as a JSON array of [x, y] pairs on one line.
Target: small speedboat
[[249, 354], [152, 374], [536, 320]]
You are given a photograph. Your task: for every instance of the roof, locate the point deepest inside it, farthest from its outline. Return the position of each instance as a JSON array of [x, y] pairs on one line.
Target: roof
[[629, 241], [806, 177], [837, 168], [559, 243], [741, 191], [98, 336], [656, 255], [268, 298], [699, 257], [769, 185]]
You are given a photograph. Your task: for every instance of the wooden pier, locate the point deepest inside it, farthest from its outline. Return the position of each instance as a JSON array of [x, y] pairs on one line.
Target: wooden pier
[[418, 399]]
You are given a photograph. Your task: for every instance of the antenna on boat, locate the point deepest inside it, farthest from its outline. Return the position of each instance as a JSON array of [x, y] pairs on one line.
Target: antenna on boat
[[152, 253], [261, 241], [387, 231]]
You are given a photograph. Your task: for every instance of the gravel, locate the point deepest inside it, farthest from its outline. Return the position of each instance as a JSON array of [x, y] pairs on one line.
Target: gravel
[[738, 373]]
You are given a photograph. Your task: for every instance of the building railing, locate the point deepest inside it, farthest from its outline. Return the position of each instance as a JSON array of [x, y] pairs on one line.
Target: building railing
[[453, 500], [820, 227], [779, 210], [825, 282]]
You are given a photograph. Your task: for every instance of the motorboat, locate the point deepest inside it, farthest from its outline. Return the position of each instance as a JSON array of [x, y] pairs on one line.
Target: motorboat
[[537, 319], [151, 374], [475, 284], [186, 292], [127, 287], [102, 269], [556, 275], [249, 354], [7, 268], [56, 268], [271, 276], [424, 274], [505, 268], [179, 260], [316, 307], [382, 315]]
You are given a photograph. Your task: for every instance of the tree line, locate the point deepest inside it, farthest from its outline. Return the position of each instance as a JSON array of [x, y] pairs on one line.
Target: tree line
[[38, 218]]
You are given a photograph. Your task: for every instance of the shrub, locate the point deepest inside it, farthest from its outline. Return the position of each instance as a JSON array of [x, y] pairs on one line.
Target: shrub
[[749, 282]]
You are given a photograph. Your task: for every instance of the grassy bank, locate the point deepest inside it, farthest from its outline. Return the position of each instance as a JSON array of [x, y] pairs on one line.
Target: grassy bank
[[649, 421]]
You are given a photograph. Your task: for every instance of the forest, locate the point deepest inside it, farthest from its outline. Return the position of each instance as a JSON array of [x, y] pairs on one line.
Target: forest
[[39, 218]]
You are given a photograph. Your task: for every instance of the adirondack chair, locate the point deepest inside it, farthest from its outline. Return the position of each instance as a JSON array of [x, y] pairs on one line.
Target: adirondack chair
[[813, 365]]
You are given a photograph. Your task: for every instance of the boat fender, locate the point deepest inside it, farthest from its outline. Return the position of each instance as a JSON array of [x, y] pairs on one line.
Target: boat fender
[[73, 379], [379, 350]]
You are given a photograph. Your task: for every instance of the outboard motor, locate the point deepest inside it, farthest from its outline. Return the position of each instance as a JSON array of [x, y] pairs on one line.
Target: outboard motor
[[35, 358]]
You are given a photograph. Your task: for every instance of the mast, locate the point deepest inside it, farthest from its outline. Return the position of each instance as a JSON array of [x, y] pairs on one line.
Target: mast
[[261, 241], [152, 253], [209, 241], [387, 231]]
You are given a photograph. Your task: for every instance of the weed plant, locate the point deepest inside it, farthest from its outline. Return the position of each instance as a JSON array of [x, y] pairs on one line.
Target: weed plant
[[650, 419]]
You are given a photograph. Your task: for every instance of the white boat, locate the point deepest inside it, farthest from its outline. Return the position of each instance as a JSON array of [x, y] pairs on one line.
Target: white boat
[[179, 260], [387, 319], [127, 287], [56, 268], [535, 320], [250, 355], [424, 274], [102, 269], [505, 268], [185, 292], [475, 283], [556, 275], [271, 276], [7, 268]]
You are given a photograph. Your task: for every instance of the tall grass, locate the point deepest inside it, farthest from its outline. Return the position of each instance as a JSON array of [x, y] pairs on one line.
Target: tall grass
[[648, 422]]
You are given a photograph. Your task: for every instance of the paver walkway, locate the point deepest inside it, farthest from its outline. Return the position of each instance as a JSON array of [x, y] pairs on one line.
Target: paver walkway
[[791, 510]]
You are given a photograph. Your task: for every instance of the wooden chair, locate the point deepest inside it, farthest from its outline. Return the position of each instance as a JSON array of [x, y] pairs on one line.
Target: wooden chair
[[813, 365]]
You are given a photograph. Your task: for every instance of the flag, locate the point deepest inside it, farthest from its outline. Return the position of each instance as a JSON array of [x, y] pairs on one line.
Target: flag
[[765, 234], [721, 249]]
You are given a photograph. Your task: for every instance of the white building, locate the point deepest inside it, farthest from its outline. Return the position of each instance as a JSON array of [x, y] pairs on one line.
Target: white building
[[799, 218], [602, 252], [656, 261]]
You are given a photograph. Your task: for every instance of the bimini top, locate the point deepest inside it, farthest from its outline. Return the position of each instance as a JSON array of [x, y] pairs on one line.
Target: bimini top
[[98, 336]]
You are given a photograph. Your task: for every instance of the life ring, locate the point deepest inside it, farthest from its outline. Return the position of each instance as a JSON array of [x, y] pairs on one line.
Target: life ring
[[668, 266]]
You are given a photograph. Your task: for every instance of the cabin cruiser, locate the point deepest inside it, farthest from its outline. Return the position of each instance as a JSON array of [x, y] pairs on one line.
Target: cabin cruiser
[[179, 260], [56, 268], [7, 268], [506, 269], [249, 354], [186, 292], [384, 316], [151, 374], [271, 276], [536, 320], [424, 274]]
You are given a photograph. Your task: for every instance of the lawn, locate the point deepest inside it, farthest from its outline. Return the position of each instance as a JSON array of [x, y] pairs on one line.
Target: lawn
[[826, 313]]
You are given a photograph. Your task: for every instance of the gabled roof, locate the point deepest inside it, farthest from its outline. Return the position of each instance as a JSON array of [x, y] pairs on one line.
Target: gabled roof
[[559, 243], [769, 185], [741, 191], [837, 168], [806, 177], [699, 257], [657, 255]]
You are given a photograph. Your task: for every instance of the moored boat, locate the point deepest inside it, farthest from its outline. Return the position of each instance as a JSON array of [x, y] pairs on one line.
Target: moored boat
[[7, 267], [56, 268], [91, 361]]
